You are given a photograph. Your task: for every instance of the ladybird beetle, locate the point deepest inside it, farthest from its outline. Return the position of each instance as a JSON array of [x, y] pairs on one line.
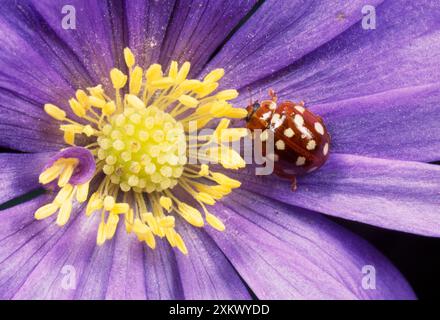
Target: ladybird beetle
[[301, 140]]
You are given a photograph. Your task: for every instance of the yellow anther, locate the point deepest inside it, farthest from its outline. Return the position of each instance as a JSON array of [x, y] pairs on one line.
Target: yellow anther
[[120, 208], [149, 239], [205, 198], [180, 244], [227, 94], [69, 137], [166, 203], [173, 70], [183, 72], [227, 157], [191, 214], [224, 180], [100, 237], [97, 102], [77, 108], [95, 203], [206, 88], [82, 191], [129, 57], [214, 76], [64, 214], [118, 78], [188, 85], [236, 113], [134, 101], [109, 108], [82, 97], [46, 211], [67, 173], [88, 130], [72, 127], [54, 112], [97, 92], [109, 203], [50, 174], [167, 222], [139, 227], [154, 72], [204, 170], [163, 83], [188, 101], [63, 194], [110, 226], [148, 218], [215, 222], [135, 80]]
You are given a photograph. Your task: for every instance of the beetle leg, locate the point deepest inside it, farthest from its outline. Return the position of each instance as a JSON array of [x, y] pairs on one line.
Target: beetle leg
[[293, 186]]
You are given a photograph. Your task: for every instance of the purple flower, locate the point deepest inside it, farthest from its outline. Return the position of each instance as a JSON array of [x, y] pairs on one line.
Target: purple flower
[[376, 89]]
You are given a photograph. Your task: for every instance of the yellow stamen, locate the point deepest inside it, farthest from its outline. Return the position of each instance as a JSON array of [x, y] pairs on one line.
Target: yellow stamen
[[140, 136]]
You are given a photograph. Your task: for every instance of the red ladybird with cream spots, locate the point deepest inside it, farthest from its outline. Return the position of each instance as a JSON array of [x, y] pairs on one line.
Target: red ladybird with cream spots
[[301, 140]]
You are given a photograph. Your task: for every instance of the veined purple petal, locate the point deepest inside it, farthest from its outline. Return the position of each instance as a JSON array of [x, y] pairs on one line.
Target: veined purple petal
[[401, 52], [391, 194], [147, 25], [19, 173], [36, 68], [280, 33], [35, 63], [85, 169], [397, 124], [284, 252], [98, 39], [24, 241], [205, 272], [138, 272], [25, 126], [39, 260], [197, 28]]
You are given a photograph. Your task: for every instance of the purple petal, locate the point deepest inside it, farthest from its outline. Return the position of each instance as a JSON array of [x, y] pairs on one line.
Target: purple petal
[[98, 39], [146, 24], [141, 273], [36, 257], [24, 241], [197, 29], [19, 173], [25, 126], [289, 253], [363, 62], [205, 272], [280, 33], [392, 194], [85, 169], [397, 124]]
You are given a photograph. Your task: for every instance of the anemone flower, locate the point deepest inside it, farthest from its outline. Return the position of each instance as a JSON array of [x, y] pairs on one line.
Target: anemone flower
[[96, 107]]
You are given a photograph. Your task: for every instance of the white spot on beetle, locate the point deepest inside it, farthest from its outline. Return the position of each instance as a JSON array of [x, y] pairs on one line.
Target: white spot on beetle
[[299, 120], [280, 145], [311, 145], [289, 133], [325, 149], [300, 161], [319, 128], [266, 116], [300, 109]]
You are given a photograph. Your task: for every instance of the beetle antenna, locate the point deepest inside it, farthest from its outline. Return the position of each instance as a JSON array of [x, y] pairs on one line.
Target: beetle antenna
[[273, 95], [250, 95]]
